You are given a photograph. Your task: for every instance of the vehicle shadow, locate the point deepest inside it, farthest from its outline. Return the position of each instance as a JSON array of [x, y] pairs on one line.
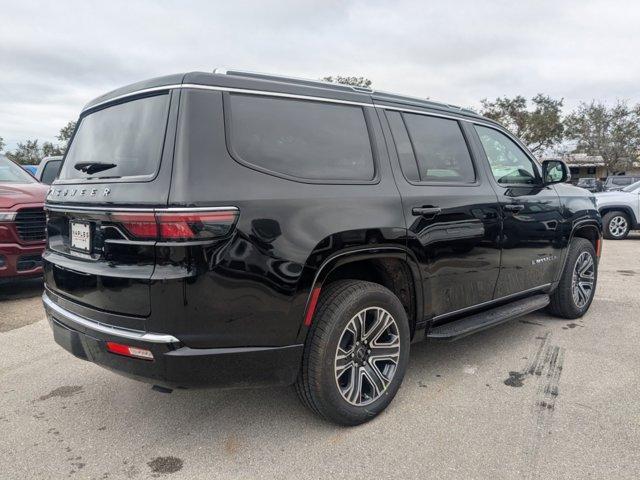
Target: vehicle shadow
[[21, 289], [210, 413]]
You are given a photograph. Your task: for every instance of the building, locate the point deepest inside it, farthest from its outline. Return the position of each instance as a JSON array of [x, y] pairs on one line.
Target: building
[[585, 166]]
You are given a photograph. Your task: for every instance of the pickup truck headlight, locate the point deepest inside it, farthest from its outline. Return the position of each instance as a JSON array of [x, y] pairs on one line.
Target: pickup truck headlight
[[7, 216]]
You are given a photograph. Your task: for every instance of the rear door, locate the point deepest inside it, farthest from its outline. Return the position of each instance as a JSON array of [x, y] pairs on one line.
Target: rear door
[[118, 164], [450, 209], [531, 214]]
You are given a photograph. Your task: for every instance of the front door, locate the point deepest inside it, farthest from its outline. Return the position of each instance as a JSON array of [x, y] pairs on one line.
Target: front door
[[450, 208], [531, 240]]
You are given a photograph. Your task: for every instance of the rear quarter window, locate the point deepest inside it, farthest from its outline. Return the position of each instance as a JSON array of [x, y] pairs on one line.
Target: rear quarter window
[[302, 139]]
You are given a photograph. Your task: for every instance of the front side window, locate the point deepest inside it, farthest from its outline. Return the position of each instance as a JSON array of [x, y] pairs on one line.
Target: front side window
[[440, 149], [123, 140], [509, 164], [301, 139]]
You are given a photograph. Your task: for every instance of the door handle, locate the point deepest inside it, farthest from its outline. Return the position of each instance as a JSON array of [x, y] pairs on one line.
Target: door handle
[[428, 212], [513, 207]]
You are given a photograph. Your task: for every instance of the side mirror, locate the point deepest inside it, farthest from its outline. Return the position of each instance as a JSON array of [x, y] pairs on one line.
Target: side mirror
[[555, 171]]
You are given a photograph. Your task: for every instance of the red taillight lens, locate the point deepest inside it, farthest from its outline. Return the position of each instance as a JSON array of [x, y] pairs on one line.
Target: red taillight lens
[[142, 226], [176, 226], [187, 225], [129, 351]]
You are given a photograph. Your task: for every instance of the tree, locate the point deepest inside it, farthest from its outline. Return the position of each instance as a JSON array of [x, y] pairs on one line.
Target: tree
[[539, 128], [27, 153], [50, 149], [65, 134], [613, 133], [353, 81]]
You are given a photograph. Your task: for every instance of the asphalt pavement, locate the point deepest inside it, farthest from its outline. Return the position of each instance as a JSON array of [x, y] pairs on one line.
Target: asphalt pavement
[[534, 398]]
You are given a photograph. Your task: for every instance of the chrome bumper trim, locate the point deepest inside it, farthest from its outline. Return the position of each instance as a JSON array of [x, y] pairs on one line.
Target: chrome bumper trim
[[68, 316]]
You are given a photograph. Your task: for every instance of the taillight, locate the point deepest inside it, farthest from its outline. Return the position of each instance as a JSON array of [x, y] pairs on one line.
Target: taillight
[[167, 225]]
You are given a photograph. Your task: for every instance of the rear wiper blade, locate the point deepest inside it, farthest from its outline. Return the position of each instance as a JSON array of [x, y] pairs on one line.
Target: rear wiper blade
[[93, 167]]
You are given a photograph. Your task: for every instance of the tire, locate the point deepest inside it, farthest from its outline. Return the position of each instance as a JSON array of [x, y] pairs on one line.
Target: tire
[[340, 309], [616, 225], [564, 303]]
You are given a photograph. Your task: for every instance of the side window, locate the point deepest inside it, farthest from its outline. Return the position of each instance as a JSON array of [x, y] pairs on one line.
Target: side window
[[509, 164], [440, 149], [50, 171], [299, 138]]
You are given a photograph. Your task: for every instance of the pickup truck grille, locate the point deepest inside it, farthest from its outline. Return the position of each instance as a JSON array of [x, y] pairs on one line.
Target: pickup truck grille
[[31, 224]]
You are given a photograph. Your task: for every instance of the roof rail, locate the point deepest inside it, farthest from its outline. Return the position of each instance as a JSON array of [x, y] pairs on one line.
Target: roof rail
[[338, 86], [296, 80]]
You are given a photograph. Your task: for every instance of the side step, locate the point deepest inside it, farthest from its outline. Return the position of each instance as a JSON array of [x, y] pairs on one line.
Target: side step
[[489, 318]]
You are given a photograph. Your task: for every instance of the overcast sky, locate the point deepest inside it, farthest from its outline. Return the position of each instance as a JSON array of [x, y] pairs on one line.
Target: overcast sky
[[56, 56]]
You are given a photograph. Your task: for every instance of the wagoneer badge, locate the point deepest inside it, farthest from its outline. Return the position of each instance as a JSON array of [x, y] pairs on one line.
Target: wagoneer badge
[[71, 192]]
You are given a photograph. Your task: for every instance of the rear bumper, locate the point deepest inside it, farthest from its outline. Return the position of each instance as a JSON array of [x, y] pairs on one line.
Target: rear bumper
[[174, 364], [20, 260]]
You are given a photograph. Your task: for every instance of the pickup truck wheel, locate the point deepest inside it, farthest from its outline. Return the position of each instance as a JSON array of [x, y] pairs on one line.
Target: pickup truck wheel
[[574, 294], [356, 353], [616, 225]]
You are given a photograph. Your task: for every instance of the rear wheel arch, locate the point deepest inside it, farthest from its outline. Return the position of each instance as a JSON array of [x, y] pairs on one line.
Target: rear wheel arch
[[392, 267]]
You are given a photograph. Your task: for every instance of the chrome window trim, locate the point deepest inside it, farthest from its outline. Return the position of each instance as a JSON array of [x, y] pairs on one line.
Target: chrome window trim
[[104, 328], [463, 116]]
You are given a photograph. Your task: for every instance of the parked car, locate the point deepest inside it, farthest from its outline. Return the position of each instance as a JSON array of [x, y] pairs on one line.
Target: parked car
[[234, 229], [30, 168], [22, 222], [592, 184], [618, 182], [48, 169], [620, 211]]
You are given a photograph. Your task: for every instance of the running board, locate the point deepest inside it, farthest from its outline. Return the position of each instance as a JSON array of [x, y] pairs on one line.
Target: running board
[[487, 319]]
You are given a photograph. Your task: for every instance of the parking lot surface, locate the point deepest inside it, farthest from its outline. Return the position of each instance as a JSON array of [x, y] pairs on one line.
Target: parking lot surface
[[534, 398]]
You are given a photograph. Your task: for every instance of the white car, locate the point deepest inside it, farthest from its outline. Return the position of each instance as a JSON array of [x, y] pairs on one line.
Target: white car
[[48, 169], [620, 211]]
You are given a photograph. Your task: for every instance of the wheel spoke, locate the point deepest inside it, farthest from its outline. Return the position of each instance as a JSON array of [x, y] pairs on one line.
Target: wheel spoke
[[587, 263], [354, 391], [356, 326], [383, 321], [343, 361], [375, 378], [385, 351]]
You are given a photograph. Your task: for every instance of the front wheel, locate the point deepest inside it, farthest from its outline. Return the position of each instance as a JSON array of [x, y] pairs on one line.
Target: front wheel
[[356, 353], [616, 225], [574, 294]]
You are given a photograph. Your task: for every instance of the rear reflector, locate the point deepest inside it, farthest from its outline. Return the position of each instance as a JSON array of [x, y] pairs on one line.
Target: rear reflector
[[177, 226], [129, 351], [311, 309]]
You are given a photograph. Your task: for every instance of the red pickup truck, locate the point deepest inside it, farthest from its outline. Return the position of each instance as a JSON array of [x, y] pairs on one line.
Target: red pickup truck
[[22, 222]]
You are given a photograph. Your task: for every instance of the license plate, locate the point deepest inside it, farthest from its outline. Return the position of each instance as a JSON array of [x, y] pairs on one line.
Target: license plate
[[81, 236]]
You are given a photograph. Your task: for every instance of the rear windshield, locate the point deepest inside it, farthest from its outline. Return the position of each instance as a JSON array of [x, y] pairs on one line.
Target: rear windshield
[[120, 141], [12, 173]]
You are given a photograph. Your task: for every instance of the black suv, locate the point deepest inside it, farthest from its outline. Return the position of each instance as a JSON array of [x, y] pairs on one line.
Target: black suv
[[236, 229]]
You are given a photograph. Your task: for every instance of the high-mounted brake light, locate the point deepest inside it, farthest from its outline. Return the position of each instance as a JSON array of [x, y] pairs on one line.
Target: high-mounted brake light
[[177, 226], [129, 351]]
